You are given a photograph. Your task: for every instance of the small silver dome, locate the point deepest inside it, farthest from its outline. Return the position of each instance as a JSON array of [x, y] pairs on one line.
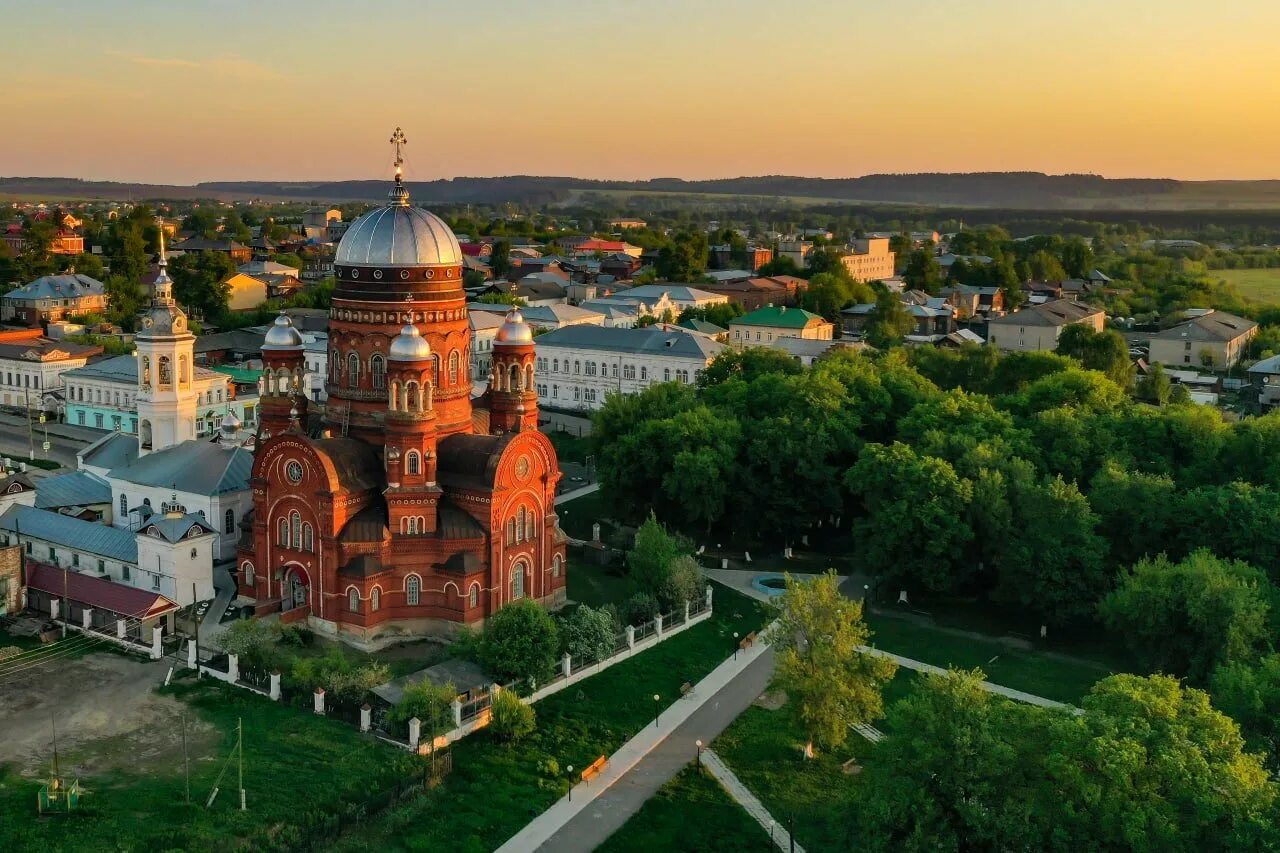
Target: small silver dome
[[282, 335], [514, 330], [409, 345], [230, 423], [398, 235]]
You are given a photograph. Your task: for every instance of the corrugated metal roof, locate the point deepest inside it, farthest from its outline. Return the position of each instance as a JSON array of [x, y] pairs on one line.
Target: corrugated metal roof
[[79, 488], [647, 341], [98, 593], [70, 286], [201, 467], [101, 539]]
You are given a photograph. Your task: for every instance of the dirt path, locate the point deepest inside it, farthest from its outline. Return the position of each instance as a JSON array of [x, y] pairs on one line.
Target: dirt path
[[107, 713]]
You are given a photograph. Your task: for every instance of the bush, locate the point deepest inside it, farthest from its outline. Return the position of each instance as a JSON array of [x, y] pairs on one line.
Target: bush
[[341, 678], [466, 644], [640, 608], [297, 635], [512, 719], [684, 582], [255, 642], [588, 635], [520, 641], [429, 702]]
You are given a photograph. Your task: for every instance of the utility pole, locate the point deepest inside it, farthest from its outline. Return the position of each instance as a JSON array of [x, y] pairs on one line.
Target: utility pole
[[186, 761], [66, 614], [240, 750], [195, 617], [31, 439]]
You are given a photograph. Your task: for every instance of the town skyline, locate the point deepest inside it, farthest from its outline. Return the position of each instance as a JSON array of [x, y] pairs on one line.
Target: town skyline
[[169, 96]]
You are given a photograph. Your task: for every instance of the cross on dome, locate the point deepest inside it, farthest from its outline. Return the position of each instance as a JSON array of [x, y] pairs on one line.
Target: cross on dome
[[399, 193]]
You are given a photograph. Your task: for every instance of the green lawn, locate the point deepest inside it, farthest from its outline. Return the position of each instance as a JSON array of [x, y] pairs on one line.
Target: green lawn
[[570, 448], [577, 516], [595, 584], [299, 771], [401, 659], [764, 749], [496, 788], [691, 812], [1029, 670], [1260, 285]]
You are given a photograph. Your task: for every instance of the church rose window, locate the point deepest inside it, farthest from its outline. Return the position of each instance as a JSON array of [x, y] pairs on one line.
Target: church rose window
[[293, 472]]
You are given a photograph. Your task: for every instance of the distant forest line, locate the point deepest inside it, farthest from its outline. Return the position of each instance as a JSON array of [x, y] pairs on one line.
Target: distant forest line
[[1019, 191]]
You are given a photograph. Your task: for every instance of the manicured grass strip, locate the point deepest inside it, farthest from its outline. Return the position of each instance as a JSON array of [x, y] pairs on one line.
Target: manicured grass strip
[[691, 812], [496, 788], [300, 771], [1027, 670], [764, 748]]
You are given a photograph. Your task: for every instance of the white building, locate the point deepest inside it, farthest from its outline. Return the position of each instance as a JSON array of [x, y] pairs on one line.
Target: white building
[[681, 296], [578, 365], [484, 327], [32, 371], [170, 555]]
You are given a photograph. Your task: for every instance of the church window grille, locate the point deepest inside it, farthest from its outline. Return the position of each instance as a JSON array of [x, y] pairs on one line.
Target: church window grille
[[166, 371], [375, 598], [473, 597], [413, 462], [295, 525], [124, 504], [412, 590], [229, 521], [517, 582], [453, 367], [378, 368], [308, 538], [353, 370], [353, 600], [282, 532]]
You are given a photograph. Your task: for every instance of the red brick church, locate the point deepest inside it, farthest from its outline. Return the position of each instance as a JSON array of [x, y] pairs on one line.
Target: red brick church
[[409, 507]]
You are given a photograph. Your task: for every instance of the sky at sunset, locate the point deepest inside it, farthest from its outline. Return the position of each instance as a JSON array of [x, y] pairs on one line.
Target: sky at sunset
[[179, 92]]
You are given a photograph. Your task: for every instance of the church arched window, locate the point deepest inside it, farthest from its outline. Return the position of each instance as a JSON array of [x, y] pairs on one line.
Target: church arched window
[[353, 600], [378, 369], [353, 370], [412, 590], [517, 581], [295, 525], [453, 367], [426, 395], [513, 379], [282, 532], [124, 505], [473, 596], [411, 396], [183, 375], [528, 376], [335, 366], [146, 372], [308, 538], [413, 462], [520, 524], [528, 526], [166, 371], [229, 521], [375, 598], [511, 531]]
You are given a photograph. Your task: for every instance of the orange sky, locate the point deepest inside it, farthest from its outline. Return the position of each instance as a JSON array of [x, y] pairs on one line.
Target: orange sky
[[183, 92]]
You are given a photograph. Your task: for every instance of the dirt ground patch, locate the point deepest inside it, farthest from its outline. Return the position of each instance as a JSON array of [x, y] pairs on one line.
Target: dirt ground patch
[[771, 700], [107, 714]]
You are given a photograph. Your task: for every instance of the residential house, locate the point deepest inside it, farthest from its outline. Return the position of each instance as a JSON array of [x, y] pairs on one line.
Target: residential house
[[238, 252], [541, 288], [51, 298], [762, 326], [681, 296], [1213, 339], [1264, 376], [1037, 327], [970, 301], [577, 366], [934, 317]]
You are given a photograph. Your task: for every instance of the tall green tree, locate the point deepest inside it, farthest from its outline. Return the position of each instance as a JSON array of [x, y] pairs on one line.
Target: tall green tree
[[923, 272], [890, 323], [818, 641], [1189, 617]]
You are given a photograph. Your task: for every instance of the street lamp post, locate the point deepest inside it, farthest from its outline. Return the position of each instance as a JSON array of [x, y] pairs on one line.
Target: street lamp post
[[736, 647], [658, 715], [698, 744], [570, 769]]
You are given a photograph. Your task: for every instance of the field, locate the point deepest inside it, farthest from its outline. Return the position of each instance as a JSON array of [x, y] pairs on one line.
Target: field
[[1260, 285]]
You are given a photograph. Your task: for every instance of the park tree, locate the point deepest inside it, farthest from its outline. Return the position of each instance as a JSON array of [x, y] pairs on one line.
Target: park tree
[[256, 643], [684, 582], [1054, 566], [498, 297], [200, 282], [1137, 512], [289, 259], [90, 265], [1187, 618], [1077, 257], [202, 222], [650, 558], [747, 364], [1239, 518], [1249, 693], [818, 640], [780, 265], [915, 527], [520, 642], [431, 704], [1150, 765]]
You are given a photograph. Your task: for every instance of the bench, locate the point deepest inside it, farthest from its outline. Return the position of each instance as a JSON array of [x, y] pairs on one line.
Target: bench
[[686, 689], [747, 641], [596, 768]]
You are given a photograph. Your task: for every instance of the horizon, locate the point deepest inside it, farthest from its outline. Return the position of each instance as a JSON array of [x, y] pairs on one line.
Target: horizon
[[289, 91]]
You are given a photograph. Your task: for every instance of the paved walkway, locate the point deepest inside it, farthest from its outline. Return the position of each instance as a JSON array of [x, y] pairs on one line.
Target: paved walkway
[[577, 493], [595, 810], [777, 834]]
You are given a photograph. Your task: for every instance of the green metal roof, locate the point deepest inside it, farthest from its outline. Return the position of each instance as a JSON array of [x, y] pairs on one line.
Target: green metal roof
[[239, 375], [790, 318]]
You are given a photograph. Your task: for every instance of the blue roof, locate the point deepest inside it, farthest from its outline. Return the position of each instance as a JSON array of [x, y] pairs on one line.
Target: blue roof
[[113, 450], [68, 286], [101, 539], [79, 488], [201, 467], [119, 368]]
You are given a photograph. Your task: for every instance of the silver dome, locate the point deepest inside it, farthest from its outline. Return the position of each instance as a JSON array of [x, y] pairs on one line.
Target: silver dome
[[398, 235], [409, 345], [515, 330], [282, 335]]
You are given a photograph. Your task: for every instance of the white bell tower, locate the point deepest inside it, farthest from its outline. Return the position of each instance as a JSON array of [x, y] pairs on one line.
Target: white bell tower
[[165, 349]]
